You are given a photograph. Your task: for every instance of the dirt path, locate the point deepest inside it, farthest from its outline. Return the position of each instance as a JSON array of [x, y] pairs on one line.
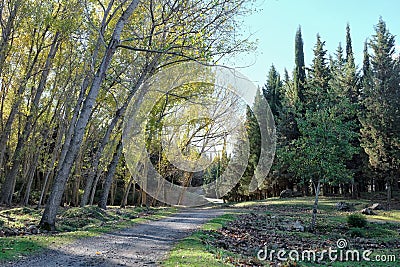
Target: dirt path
[[141, 245]]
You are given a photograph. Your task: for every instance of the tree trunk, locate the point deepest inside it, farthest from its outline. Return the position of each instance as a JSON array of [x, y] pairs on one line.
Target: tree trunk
[[6, 35], [110, 175], [50, 212], [91, 182], [315, 208], [7, 191], [124, 201], [31, 176], [92, 179], [50, 168], [389, 190]]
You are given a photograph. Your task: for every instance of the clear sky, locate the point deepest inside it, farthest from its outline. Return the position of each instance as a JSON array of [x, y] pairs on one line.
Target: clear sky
[[276, 24]]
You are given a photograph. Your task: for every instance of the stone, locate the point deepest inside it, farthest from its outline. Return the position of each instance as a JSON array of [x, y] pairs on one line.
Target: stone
[[298, 226], [367, 211], [376, 206], [33, 229], [343, 206]]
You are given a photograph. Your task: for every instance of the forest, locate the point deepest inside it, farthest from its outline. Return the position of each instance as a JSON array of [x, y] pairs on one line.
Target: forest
[[69, 69]]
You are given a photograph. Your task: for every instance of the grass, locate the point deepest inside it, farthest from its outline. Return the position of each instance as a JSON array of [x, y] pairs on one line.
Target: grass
[[200, 249], [194, 250], [73, 223]]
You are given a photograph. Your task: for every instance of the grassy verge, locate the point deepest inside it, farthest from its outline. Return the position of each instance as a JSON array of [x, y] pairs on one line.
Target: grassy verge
[[195, 250], [73, 223], [267, 224]]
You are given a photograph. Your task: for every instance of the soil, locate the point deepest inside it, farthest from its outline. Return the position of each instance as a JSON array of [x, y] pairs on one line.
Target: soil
[[145, 244]]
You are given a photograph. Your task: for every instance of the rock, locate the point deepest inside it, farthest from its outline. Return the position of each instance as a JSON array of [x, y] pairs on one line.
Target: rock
[[10, 232], [33, 229], [298, 226], [343, 206], [286, 193], [367, 211], [376, 206]]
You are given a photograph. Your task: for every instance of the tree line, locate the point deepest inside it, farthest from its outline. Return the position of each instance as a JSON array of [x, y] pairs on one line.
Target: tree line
[[338, 124]]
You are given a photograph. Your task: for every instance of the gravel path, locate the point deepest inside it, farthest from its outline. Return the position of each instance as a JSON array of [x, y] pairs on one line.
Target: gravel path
[[141, 245]]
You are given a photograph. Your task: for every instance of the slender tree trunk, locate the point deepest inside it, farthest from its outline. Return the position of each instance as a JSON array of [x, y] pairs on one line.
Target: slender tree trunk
[[315, 208], [91, 182], [6, 35], [92, 179], [31, 176], [124, 201], [50, 168], [389, 190], [7, 191], [110, 175], [50, 212], [4, 136]]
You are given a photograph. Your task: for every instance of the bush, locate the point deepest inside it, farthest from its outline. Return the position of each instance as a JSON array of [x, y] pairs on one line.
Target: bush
[[357, 220]]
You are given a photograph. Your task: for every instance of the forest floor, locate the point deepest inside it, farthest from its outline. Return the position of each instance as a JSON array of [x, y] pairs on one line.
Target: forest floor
[[142, 244], [226, 235], [275, 225]]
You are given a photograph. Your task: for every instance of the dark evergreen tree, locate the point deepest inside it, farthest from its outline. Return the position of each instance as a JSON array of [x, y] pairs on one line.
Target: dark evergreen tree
[[380, 119], [286, 78], [318, 77], [349, 47], [299, 75], [272, 91]]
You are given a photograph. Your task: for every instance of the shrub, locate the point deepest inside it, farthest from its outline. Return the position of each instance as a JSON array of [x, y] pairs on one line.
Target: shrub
[[357, 220]]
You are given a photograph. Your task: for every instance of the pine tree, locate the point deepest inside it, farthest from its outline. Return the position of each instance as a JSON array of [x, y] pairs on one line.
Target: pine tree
[[299, 75]]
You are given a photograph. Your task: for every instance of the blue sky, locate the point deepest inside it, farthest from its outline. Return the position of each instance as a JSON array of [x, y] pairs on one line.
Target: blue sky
[[276, 24]]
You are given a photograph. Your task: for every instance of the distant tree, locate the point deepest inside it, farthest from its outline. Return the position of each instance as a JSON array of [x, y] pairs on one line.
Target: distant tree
[[272, 91], [318, 76], [349, 46], [299, 75]]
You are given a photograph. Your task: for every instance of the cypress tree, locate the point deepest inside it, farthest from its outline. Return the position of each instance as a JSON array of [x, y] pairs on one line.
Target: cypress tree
[[350, 76], [349, 47], [380, 120], [286, 78], [299, 75]]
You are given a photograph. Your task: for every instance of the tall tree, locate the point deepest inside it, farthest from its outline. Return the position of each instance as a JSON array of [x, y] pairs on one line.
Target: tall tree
[[272, 91], [319, 76], [50, 212], [299, 75], [349, 46], [381, 120]]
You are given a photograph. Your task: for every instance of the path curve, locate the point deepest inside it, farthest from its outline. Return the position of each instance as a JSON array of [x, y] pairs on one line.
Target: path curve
[[144, 244]]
